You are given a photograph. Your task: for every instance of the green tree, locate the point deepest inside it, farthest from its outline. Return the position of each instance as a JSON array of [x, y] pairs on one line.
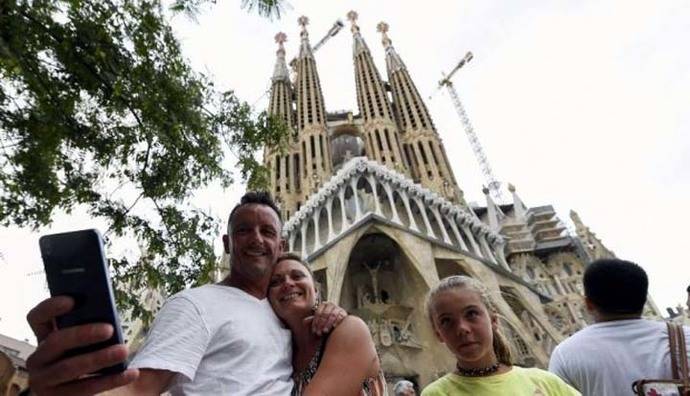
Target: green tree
[[99, 110]]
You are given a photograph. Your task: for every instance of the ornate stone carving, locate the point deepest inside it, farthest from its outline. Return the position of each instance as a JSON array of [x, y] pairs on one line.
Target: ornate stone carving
[[390, 323], [376, 174]]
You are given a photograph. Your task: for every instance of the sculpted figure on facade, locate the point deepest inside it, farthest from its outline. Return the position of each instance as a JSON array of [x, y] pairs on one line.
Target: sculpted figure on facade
[[390, 322]]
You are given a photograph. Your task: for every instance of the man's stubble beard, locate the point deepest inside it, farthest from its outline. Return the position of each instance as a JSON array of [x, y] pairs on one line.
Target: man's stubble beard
[[258, 273], [252, 272]]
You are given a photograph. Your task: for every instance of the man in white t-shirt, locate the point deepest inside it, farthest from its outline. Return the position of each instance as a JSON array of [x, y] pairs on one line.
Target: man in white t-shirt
[[221, 339], [606, 357]]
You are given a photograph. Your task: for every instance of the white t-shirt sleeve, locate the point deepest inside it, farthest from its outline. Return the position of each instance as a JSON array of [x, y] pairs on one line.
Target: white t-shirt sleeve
[[558, 367], [177, 341]]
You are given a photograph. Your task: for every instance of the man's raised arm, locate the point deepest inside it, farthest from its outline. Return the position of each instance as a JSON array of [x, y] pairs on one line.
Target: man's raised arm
[[150, 382], [51, 374]]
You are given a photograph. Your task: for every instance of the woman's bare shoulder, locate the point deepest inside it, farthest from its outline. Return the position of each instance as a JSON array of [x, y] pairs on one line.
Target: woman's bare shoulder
[[349, 359], [352, 329]]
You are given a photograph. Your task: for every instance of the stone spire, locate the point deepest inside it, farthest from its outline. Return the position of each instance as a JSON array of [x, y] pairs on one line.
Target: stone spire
[[310, 106], [593, 246], [495, 215], [359, 45], [280, 71], [311, 118], [285, 180], [519, 208], [575, 217], [281, 91], [422, 146], [517, 228], [393, 60], [381, 133], [305, 47]]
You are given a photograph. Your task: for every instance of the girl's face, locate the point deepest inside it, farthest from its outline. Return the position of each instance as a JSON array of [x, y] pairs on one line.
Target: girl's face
[[291, 289], [463, 323]]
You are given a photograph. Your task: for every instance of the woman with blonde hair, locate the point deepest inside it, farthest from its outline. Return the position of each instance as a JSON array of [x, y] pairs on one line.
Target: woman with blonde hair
[[341, 363], [465, 320]]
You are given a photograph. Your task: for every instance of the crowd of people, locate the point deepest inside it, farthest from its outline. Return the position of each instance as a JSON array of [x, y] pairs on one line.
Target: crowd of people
[[264, 330]]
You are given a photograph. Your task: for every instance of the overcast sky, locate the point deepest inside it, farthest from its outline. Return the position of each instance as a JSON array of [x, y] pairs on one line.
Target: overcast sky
[[582, 105]]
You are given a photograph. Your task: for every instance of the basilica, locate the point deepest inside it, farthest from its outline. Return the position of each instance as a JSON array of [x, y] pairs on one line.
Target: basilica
[[370, 201]]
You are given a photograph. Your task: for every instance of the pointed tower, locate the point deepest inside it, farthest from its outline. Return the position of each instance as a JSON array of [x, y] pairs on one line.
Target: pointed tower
[[519, 207], [311, 119], [495, 215], [284, 166], [516, 227], [422, 146], [281, 89], [381, 133], [592, 245]]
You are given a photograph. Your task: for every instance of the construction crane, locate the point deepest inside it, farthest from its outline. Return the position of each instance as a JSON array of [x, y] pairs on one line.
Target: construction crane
[[331, 33], [492, 184], [335, 29]]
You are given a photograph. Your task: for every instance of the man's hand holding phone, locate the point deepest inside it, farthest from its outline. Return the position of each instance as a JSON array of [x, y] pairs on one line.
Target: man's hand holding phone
[[52, 374], [80, 345]]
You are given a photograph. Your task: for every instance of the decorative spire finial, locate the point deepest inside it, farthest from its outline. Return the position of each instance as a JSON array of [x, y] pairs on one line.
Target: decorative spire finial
[[280, 38], [303, 21], [485, 190], [304, 49], [382, 28], [352, 17], [519, 207]]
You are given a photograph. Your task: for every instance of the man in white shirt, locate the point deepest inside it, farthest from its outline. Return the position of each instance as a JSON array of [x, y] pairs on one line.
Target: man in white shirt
[[215, 339], [606, 357]]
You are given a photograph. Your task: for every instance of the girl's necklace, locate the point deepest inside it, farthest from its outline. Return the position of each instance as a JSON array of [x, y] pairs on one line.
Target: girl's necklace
[[477, 372]]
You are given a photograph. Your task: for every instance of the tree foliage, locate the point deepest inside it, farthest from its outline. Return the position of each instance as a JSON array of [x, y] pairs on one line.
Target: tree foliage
[[266, 8], [99, 109]]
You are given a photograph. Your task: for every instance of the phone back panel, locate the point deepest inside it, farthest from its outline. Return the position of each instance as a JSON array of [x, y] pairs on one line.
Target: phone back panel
[[75, 266]]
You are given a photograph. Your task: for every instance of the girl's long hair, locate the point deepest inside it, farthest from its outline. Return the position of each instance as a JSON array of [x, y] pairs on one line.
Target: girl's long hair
[[500, 345]]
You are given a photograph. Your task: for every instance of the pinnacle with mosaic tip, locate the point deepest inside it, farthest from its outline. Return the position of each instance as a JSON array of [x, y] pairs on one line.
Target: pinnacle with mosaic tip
[[303, 21], [382, 28], [280, 38], [352, 17]]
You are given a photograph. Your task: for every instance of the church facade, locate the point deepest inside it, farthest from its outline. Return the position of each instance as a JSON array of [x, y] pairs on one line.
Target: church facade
[[371, 202]]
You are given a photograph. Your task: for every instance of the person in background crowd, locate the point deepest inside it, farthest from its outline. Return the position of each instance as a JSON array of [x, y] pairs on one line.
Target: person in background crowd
[[464, 319], [343, 362], [605, 358], [404, 388], [217, 339], [687, 302]]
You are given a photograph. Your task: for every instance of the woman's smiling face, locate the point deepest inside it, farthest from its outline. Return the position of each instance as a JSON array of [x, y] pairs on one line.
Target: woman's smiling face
[[291, 290], [464, 324]]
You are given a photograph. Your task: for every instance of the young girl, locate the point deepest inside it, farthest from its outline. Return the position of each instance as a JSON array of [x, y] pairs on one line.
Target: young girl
[[463, 318]]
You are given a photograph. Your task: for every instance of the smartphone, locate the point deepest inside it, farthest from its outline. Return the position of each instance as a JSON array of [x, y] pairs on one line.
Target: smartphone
[[76, 266]]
